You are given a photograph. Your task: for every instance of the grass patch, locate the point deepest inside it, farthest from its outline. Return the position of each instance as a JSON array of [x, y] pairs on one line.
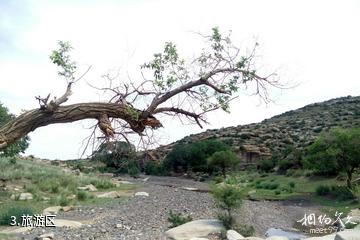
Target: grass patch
[[49, 181]]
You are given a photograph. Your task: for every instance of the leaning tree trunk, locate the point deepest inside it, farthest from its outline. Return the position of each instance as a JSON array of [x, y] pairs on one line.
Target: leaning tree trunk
[[33, 119]]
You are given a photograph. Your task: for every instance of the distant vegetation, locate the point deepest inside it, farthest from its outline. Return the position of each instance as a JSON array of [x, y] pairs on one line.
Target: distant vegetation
[[193, 156], [18, 147], [335, 152], [119, 156]]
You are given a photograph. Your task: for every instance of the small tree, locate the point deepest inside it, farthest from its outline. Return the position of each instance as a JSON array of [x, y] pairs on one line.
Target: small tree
[[336, 151], [20, 145], [223, 160], [228, 198]]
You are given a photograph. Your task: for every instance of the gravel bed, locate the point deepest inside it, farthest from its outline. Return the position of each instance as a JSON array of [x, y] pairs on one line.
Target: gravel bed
[[145, 218]]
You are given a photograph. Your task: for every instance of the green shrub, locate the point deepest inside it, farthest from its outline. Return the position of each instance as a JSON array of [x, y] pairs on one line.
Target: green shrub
[[55, 188], [292, 184], [176, 219], [17, 211], [322, 190], [102, 183], [82, 195], [154, 168], [244, 230], [133, 168], [12, 160], [219, 179], [342, 193], [63, 200], [184, 157], [227, 220], [115, 154], [266, 165], [266, 185], [228, 198], [290, 172], [277, 192], [284, 165]]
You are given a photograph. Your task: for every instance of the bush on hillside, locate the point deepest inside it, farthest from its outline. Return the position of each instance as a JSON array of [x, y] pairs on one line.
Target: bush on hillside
[[193, 156], [154, 168], [119, 155], [266, 165]]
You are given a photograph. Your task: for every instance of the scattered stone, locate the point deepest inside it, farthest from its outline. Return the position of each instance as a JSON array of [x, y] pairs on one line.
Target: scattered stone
[[67, 223], [52, 210], [348, 235], [354, 216], [124, 182], [25, 196], [15, 230], [197, 228], [251, 192], [89, 187], [327, 237], [67, 208], [278, 232], [190, 188], [71, 197], [112, 194], [195, 238], [277, 238], [144, 194], [145, 179], [110, 175], [233, 235], [253, 238], [47, 235]]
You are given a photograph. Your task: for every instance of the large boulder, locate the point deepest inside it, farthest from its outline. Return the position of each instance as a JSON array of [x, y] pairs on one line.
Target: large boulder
[[197, 228], [277, 238], [326, 237], [348, 235], [253, 238], [233, 235]]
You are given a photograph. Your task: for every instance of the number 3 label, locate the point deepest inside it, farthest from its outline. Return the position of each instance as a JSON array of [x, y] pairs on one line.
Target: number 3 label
[[13, 221]]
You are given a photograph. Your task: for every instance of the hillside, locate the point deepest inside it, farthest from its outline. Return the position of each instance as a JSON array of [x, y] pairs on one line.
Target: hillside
[[296, 128]]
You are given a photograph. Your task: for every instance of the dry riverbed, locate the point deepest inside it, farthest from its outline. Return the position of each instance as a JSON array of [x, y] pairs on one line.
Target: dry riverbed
[[145, 217]]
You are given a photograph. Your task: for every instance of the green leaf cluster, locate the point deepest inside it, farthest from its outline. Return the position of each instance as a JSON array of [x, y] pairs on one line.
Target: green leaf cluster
[[62, 58]]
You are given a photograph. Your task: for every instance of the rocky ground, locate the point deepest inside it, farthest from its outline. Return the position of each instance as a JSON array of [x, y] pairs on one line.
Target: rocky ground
[[145, 217]]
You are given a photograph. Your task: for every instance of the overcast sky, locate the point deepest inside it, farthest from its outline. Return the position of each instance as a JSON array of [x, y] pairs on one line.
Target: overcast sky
[[313, 43]]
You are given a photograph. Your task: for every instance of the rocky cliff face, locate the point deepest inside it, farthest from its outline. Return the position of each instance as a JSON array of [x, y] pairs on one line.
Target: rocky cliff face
[[298, 128]]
